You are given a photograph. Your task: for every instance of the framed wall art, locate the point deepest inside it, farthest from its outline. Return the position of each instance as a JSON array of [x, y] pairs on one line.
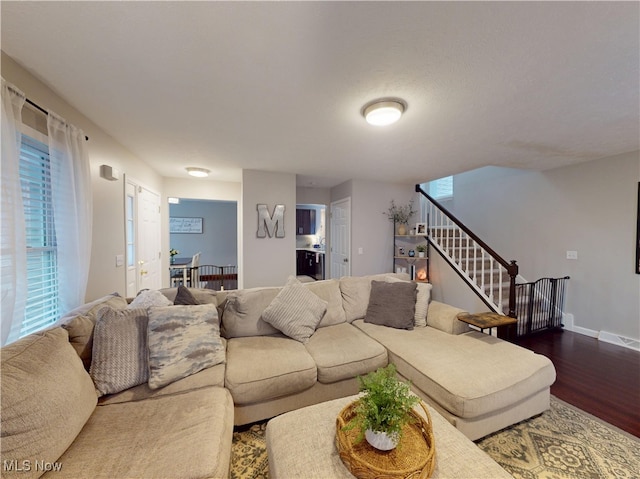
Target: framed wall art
[[185, 225]]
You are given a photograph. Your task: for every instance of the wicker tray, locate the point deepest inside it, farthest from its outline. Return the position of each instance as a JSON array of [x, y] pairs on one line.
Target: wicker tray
[[414, 458]]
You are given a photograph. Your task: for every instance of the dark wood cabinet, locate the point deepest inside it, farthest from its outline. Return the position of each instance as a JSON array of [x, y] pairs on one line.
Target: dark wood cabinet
[[305, 221], [309, 263]]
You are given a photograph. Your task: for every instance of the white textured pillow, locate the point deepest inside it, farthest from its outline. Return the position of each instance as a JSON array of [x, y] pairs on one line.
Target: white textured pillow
[[119, 356], [296, 311], [149, 298], [422, 301], [183, 340]]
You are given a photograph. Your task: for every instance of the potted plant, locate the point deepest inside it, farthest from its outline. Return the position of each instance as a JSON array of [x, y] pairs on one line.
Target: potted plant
[[172, 253], [384, 408], [401, 215], [421, 249]]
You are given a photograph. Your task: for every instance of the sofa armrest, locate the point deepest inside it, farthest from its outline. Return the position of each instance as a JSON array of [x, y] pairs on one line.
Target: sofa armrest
[[445, 318]]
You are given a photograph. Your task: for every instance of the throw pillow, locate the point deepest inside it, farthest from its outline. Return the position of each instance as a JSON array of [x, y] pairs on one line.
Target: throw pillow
[[149, 298], [392, 304], [423, 298], [184, 297], [296, 311], [119, 356], [182, 341]]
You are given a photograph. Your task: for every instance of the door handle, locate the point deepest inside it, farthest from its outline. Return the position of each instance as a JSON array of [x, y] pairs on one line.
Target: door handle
[[143, 272], [346, 260]]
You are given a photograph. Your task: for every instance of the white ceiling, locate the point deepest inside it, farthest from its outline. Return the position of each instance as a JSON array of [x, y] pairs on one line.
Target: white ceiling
[[280, 86]]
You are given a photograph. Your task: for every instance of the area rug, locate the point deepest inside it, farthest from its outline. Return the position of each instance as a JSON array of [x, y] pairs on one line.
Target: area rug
[[562, 443]]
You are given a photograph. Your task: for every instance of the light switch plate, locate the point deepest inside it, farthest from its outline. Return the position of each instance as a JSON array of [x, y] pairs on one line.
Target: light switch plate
[[119, 260], [572, 255]]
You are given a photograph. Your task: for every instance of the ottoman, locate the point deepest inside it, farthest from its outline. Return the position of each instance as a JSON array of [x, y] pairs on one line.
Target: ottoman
[[301, 443]]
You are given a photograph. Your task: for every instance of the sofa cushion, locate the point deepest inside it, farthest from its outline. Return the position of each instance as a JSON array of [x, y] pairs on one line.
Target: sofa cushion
[[329, 290], [453, 370], [119, 350], [296, 311], [213, 376], [342, 352], [267, 367], [79, 324], [149, 298], [182, 436], [182, 341], [47, 397], [423, 298], [243, 313], [392, 304]]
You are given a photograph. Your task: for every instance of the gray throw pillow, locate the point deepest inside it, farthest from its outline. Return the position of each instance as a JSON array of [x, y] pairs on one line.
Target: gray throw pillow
[[119, 355], [183, 340], [392, 304], [184, 297], [149, 298], [296, 311]]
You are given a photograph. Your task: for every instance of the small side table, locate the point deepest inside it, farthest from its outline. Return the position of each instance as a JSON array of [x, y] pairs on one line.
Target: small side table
[[488, 321]]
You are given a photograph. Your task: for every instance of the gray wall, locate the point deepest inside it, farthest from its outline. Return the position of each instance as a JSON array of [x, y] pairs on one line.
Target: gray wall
[[218, 241], [267, 261], [535, 217]]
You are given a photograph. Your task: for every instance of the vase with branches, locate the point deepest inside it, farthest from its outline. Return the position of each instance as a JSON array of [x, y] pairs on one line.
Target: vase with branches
[[400, 215]]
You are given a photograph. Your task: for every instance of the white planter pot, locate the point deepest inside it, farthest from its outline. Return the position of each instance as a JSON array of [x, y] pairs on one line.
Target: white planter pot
[[420, 254], [381, 440]]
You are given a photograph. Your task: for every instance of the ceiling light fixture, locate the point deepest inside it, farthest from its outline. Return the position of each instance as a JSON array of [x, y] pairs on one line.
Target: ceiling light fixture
[[384, 111], [198, 172]]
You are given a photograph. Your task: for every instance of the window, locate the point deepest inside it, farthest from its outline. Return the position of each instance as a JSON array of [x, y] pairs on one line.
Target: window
[[441, 188], [42, 276]]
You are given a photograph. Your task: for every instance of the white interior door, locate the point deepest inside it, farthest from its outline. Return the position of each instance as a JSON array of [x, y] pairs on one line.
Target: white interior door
[[149, 250], [143, 238], [341, 238]]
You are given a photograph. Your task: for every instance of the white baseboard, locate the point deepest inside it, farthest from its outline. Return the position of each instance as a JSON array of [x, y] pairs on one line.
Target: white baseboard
[[603, 336]]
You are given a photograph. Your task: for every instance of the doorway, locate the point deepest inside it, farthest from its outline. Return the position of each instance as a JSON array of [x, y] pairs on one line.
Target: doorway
[[142, 235]]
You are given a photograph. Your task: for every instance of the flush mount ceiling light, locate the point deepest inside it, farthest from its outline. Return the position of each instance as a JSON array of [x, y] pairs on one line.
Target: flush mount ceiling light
[[198, 172], [383, 112]]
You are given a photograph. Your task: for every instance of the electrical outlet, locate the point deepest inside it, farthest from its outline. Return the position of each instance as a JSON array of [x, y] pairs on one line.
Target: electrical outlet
[[361, 250], [572, 255]]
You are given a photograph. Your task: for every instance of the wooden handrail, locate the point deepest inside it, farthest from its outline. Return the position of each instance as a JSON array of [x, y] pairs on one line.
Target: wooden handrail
[[510, 266]]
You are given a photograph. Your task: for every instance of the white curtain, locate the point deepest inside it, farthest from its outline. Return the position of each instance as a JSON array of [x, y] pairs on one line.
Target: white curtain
[[72, 202], [13, 257]]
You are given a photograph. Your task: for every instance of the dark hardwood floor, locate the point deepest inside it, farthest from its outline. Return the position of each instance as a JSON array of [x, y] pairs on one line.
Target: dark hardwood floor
[[600, 378]]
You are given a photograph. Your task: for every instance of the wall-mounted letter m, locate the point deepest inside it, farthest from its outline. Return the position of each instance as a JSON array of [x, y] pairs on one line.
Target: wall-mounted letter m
[[269, 223]]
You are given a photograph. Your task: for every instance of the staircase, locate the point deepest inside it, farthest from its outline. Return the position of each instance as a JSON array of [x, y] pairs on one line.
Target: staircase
[[491, 277], [538, 305]]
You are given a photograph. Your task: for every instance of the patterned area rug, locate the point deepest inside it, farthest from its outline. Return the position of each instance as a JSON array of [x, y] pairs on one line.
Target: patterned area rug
[[562, 443]]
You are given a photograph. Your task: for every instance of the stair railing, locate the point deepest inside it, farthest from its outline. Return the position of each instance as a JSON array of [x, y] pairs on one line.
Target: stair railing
[[480, 266]]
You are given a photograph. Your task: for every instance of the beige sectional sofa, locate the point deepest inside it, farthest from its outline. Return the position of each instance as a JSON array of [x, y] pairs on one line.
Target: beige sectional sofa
[[478, 382]]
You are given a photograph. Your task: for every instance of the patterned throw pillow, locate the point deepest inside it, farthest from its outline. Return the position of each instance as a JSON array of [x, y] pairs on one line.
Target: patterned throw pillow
[[149, 298], [296, 311], [119, 356], [182, 341], [423, 298], [392, 304]]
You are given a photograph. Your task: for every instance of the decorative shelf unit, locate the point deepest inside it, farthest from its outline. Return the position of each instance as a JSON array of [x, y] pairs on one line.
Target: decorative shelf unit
[[402, 247]]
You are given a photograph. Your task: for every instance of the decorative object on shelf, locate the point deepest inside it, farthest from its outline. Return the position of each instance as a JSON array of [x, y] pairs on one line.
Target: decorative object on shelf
[[412, 231], [421, 275], [385, 406], [421, 249], [412, 253], [400, 215], [172, 253], [412, 272], [401, 251], [421, 228]]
